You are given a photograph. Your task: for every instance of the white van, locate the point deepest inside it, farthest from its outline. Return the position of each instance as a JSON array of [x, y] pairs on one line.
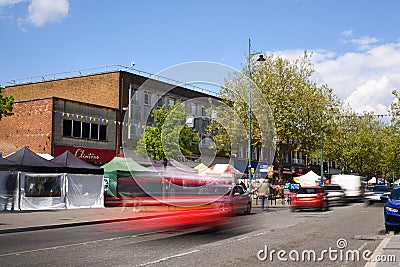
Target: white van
[[351, 185]]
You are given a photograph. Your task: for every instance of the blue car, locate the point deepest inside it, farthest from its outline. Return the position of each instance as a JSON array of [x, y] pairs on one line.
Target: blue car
[[391, 209]]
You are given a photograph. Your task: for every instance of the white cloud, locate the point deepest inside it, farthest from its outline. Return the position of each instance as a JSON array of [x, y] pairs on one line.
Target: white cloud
[[10, 2], [364, 79], [46, 11], [364, 42], [347, 33], [374, 96], [40, 12]]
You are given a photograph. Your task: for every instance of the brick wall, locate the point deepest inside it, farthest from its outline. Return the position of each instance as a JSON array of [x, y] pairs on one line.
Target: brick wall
[[99, 89], [30, 126]]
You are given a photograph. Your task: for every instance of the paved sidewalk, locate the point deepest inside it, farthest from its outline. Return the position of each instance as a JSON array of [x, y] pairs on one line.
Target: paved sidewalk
[[387, 253]]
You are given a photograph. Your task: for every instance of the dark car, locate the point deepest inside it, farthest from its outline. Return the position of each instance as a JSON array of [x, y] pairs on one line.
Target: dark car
[[374, 196], [335, 194], [310, 197], [232, 199], [391, 209]]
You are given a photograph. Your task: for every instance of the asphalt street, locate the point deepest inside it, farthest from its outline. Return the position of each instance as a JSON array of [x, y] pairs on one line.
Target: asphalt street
[[251, 240]]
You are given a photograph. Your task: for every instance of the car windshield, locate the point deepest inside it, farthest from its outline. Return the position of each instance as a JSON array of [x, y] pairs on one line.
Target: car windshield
[[395, 194], [307, 191], [381, 189]]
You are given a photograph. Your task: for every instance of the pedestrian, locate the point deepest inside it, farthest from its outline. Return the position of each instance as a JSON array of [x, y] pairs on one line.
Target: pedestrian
[[243, 185], [264, 190], [11, 186]]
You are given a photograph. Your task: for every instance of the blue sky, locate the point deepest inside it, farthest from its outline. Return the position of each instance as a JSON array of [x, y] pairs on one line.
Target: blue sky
[[356, 43]]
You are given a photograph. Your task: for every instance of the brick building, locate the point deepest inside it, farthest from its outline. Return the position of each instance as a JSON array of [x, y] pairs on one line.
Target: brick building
[[85, 113]]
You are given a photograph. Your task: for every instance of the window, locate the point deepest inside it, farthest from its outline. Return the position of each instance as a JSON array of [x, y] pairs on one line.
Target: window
[[67, 128], [103, 132], [85, 130], [203, 111], [307, 191], [194, 109], [42, 186], [147, 98], [171, 101], [76, 129], [95, 131]]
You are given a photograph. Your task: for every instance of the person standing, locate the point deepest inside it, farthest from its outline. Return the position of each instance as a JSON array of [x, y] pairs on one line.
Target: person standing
[[11, 186], [264, 190]]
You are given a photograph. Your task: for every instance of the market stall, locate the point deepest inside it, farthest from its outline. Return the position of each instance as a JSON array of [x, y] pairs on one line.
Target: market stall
[[126, 180], [64, 182], [41, 183], [84, 182]]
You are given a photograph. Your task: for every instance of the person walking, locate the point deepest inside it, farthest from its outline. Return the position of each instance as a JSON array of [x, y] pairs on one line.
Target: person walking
[[264, 190]]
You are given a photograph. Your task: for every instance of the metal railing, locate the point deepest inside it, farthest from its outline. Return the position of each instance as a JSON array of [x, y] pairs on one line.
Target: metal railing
[[106, 69]]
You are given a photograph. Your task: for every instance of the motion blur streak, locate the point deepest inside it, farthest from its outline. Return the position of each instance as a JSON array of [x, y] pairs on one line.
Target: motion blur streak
[[189, 218]]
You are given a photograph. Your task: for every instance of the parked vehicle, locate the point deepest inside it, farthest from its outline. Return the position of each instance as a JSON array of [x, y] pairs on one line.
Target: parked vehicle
[[351, 185], [310, 197], [335, 194], [232, 199], [391, 209], [375, 195]]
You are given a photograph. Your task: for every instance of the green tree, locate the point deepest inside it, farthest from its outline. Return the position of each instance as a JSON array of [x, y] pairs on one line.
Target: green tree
[[360, 143], [6, 104], [169, 136], [300, 107]]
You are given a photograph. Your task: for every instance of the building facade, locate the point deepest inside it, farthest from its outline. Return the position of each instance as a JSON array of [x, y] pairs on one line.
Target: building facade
[[88, 114], [93, 115]]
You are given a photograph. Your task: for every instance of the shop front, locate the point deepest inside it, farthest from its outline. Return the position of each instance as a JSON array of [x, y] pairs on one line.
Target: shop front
[[96, 156]]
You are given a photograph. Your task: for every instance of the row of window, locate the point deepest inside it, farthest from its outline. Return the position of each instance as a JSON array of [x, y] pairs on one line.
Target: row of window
[[85, 130], [147, 102]]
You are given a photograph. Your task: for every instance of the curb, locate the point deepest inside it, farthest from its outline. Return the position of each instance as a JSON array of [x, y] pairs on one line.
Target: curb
[[379, 250]]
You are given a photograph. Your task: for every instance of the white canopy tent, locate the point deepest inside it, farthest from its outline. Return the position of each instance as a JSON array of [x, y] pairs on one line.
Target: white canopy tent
[[309, 179], [372, 180]]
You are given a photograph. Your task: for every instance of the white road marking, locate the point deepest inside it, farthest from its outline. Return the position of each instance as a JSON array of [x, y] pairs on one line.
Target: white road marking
[[169, 257]]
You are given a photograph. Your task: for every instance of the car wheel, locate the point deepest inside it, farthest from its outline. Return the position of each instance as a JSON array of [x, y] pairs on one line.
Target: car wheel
[[248, 208], [388, 228]]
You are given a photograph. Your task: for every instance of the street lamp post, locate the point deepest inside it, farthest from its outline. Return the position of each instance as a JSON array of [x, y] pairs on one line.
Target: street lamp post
[[321, 152], [261, 58]]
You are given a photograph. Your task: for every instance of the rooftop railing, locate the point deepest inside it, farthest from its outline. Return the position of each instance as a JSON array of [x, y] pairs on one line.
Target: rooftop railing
[[106, 69]]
